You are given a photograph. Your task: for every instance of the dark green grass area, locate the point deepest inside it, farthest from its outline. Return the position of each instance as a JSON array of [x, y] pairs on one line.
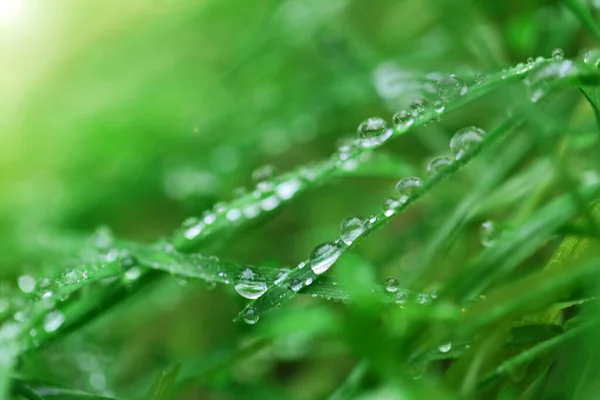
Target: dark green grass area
[[299, 199]]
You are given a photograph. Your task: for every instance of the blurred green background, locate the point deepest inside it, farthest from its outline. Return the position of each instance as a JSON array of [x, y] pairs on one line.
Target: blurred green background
[[136, 114]]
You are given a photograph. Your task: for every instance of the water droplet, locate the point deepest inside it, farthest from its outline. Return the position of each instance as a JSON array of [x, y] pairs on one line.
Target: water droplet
[[403, 120], [192, 227], [558, 54], [251, 316], [464, 140], [530, 61], [301, 265], [451, 86], [437, 165], [209, 218], [406, 187], [323, 256], [539, 59], [521, 68], [270, 203], [423, 298], [26, 283], [439, 106], [53, 321], [592, 58], [444, 348], [281, 275], [251, 211], [487, 234], [133, 274], [126, 260], [479, 78], [351, 228], [390, 206], [401, 297], [103, 237], [287, 189], [263, 173], [249, 286], [418, 107], [219, 207], [308, 281], [296, 284], [373, 132], [233, 215], [392, 284]]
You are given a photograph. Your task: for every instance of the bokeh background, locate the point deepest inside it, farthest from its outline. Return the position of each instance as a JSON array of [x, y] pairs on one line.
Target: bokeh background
[[137, 114]]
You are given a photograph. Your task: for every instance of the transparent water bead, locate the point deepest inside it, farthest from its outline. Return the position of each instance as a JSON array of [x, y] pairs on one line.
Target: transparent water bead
[[248, 286], [352, 228], [418, 107], [464, 140], [402, 119], [406, 187], [296, 284], [439, 106], [26, 283], [444, 348], [53, 321], [323, 256], [390, 206], [451, 86], [133, 274], [234, 214], [373, 132], [251, 316], [487, 234], [392, 284], [401, 297], [592, 58], [287, 189], [558, 54], [437, 165]]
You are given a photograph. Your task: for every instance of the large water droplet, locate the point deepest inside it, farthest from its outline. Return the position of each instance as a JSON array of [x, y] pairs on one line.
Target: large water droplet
[[437, 165], [323, 256], [249, 286], [53, 321], [464, 140], [352, 228], [558, 54], [406, 187], [444, 348], [451, 86], [403, 120], [26, 283], [488, 234], [373, 132], [392, 284], [251, 316], [390, 206]]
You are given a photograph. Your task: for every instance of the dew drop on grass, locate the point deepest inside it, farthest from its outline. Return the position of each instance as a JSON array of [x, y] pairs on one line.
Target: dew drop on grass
[[127, 261], [479, 78], [296, 284], [270, 203], [403, 120], [390, 206], [437, 165], [592, 58], [351, 228], [406, 187], [26, 283], [248, 286], [439, 106], [133, 274], [287, 189], [401, 297], [53, 321], [444, 348], [281, 275], [464, 140], [487, 234], [323, 256], [251, 211], [418, 107], [392, 284], [373, 132], [233, 215], [308, 281], [558, 54], [521, 68], [251, 316], [263, 173], [451, 86], [209, 218]]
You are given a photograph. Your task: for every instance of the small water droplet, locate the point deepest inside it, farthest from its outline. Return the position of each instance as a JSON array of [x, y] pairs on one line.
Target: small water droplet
[[444, 348], [592, 58], [251, 316], [558, 54], [133, 274], [423, 298], [301, 265], [403, 120], [233, 215], [26, 283], [219, 207], [401, 297], [103, 238], [373, 132], [270, 203], [308, 281], [251, 211], [530, 61], [351, 228], [464, 140], [249, 286], [439, 106], [487, 234], [126, 260], [406, 187], [295, 284], [390, 206], [392, 284], [479, 78], [287, 189], [281, 275], [209, 218], [418, 107], [437, 165], [521, 68], [53, 321], [323, 256], [263, 173], [451, 86]]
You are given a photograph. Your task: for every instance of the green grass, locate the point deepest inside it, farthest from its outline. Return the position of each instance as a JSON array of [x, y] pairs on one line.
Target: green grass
[[134, 265]]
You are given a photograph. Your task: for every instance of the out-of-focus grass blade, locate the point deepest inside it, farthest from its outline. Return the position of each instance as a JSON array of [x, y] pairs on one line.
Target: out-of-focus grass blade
[[164, 384]]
